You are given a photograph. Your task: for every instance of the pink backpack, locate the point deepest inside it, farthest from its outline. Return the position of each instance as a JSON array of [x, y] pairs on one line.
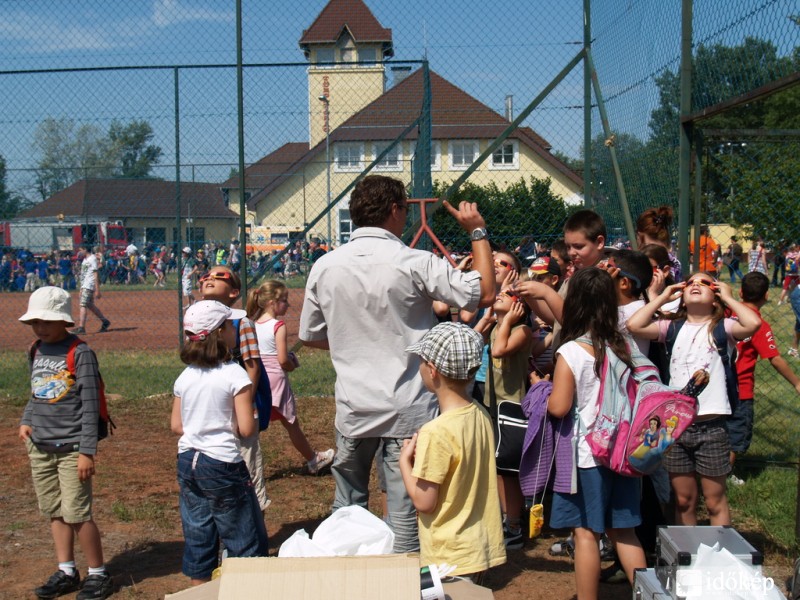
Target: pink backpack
[[638, 417]]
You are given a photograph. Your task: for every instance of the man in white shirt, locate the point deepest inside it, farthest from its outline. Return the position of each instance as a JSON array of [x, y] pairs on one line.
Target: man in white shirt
[[366, 302], [90, 289]]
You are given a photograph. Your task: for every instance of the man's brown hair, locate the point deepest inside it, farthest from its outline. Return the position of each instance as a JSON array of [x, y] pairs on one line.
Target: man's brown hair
[[372, 199]]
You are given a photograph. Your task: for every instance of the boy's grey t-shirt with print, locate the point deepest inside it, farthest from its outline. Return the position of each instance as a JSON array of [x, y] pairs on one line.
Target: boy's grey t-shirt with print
[[63, 409]]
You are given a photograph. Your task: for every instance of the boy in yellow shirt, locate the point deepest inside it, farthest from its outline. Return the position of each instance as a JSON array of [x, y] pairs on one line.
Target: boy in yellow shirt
[[448, 466]]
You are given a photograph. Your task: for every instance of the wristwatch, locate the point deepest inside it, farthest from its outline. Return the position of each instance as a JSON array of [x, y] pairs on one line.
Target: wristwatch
[[478, 234]]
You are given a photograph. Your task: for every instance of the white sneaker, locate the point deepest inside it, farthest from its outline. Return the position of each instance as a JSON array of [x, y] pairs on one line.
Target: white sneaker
[[792, 352], [320, 461]]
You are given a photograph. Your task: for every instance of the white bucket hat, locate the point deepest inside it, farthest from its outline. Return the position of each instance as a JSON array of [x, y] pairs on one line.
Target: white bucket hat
[[49, 303], [206, 316]]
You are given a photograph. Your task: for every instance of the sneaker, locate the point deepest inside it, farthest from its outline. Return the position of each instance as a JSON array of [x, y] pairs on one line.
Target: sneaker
[[320, 461], [79, 331], [607, 551], [96, 587], [563, 548], [792, 352], [734, 480], [613, 574], [59, 584], [513, 540], [106, 325]]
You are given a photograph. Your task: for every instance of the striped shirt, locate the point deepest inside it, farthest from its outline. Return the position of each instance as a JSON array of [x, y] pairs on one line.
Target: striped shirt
[[63, 409]]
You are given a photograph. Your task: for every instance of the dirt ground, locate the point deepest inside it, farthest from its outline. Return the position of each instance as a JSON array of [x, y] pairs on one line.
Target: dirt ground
[[136, 501]]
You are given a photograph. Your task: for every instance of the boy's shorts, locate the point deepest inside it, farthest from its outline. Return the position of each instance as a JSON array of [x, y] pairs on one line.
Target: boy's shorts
[[605, 500], [58, 489], [703, 448], [740, 426], [187, 287], [87, 297]]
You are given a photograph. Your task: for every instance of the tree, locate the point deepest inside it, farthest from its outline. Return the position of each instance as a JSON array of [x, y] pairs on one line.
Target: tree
[[524, 208], [130, 145], [10, 203], [70, 153], [719, 73]]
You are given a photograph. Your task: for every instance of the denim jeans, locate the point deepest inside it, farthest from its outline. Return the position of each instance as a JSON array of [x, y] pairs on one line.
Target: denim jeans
[[351, 469], [217, 502]]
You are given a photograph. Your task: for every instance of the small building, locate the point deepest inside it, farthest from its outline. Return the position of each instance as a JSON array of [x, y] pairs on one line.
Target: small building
[[147, 208], [353, 118]]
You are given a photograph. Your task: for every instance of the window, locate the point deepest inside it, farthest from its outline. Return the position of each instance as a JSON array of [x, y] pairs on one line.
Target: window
[[155, 235], [462, 153], [367, 55], [345, 226], [325, 55], [392, 161], [436, 155], [349, 156], [506, 156]]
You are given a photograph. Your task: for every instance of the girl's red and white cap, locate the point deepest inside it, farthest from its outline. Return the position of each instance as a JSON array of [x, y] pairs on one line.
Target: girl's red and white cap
[[206, 316]]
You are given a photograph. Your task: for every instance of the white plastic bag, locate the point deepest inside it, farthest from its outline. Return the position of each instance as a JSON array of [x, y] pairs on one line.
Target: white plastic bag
[[354, 531], [350, 531], [718, 574], [299, 545]]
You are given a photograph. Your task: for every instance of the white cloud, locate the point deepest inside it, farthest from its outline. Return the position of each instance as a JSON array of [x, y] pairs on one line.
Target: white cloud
[[171, 12]]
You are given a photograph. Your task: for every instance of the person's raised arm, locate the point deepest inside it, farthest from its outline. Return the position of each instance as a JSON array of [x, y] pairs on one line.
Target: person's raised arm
[[474, 224], [747, 322], [543, 300], [508, 341], [641, 323]]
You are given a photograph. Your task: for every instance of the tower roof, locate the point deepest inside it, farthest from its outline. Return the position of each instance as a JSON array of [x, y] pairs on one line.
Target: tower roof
[[353, 16]]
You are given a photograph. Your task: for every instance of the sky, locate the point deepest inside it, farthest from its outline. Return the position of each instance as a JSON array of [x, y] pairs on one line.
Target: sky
[[488, 49]]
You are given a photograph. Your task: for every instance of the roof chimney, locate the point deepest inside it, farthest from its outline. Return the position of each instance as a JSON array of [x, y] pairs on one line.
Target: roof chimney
[[399, 74], [509, 108]]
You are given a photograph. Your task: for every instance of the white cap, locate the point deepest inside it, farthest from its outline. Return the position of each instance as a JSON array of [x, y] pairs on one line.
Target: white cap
[[206, 316], [187, 250], [49, 303]]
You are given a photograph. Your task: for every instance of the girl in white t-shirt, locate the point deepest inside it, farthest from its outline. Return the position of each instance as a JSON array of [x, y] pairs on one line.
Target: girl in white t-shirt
[[212, 409], [265, 306], [703, 449], [604, 502]]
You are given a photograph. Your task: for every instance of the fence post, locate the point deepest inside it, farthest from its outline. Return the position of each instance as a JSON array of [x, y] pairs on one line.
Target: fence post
[[240, 116], [588, 199], [685, 144], [179, 236]]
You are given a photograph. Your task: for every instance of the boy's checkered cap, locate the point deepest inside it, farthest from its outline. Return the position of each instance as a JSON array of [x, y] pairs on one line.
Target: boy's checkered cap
[[453, 348]]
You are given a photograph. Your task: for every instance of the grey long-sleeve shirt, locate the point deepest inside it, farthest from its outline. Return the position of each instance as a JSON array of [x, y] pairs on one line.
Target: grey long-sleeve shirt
[[63, 409]]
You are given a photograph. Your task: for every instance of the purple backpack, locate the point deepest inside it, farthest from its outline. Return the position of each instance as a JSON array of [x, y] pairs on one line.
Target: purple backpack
[[638, 417]]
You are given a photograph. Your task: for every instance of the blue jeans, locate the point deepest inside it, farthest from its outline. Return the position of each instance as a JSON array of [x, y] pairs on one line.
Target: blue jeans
[[351, 469], [217, 502]]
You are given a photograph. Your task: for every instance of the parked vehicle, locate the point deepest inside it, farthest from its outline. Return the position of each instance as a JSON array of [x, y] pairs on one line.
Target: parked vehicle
[[44, 236]]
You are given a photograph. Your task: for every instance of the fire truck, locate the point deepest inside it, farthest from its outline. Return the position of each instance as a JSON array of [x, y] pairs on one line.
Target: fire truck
[[40, 236]]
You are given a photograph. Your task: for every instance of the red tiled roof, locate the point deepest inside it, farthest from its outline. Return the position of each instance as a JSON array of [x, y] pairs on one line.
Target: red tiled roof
[[352, 15], [454, 115], [126, 198], [274, 166]]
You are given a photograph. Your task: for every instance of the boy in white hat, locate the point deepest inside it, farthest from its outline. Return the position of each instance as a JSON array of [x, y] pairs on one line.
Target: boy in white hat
[[59, 428], [448, 467]]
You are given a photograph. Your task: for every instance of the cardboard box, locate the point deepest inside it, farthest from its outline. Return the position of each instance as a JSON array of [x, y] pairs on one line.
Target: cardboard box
[[387, 577]]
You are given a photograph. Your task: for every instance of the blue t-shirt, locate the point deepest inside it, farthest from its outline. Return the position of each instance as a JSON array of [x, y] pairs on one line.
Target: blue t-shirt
[[65, 266]]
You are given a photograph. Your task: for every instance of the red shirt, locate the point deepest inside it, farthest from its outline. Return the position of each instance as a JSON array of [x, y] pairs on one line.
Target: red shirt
[[760, 345]]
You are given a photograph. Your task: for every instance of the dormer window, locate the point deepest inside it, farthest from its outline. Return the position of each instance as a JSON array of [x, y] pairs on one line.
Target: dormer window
[[367, 55], [347, 49], [325, 55]]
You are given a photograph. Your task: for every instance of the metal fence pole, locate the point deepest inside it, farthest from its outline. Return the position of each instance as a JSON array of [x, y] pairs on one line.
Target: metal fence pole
[[685, 144], [240, 118], [588, 200], [179, 236]]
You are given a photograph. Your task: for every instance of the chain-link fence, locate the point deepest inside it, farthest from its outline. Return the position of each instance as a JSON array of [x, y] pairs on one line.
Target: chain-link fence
[[121, 127]]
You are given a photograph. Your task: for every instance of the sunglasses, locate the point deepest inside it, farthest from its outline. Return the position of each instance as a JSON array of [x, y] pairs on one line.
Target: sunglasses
[[503, 263], [221, 275], [509, 294], [703, 282], [634, 279]]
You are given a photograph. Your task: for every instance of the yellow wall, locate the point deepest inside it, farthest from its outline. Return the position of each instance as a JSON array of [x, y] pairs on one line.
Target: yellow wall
[[305, 192], [215, 229], [349, 89]]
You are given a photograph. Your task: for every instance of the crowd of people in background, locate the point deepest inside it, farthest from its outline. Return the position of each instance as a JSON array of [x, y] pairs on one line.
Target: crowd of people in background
[[22, 270]]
